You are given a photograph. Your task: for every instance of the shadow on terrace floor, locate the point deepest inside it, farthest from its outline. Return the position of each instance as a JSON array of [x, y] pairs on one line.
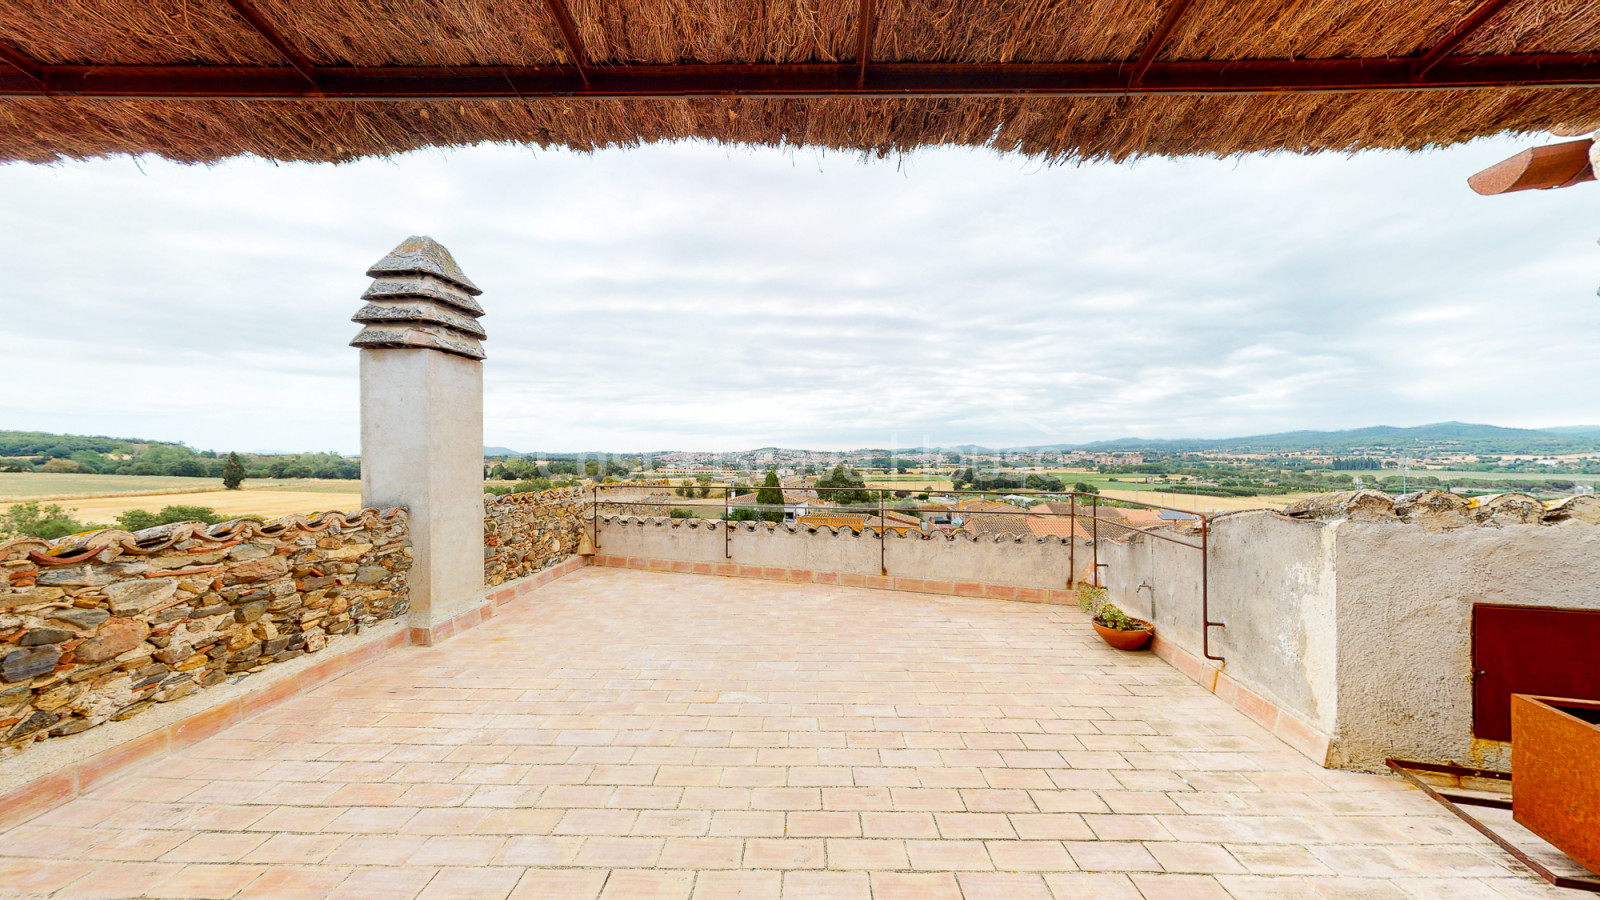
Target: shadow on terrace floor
[[634, 735]]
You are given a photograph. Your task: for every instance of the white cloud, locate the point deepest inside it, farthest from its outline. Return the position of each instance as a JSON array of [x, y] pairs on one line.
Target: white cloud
[[698, 296]]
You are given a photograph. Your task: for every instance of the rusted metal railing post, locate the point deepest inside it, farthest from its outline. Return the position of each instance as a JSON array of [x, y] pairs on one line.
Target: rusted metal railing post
[[727, 522], [1094, 513], [883, 560], [1072, 539], [1205, 591], [594, 515]]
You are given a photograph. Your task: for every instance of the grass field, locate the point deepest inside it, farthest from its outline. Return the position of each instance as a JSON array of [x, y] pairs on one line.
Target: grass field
[[1450, 475], [101, 498], [907, 483], [1202, 503]]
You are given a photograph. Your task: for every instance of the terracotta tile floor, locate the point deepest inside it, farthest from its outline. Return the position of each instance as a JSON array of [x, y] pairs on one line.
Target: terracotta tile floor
[[624, 734]]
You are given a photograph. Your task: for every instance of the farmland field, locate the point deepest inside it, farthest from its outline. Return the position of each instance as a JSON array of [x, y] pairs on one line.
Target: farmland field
[[909, 483], [1452, 475], [15, 486], [1203, 503], [101, 498]]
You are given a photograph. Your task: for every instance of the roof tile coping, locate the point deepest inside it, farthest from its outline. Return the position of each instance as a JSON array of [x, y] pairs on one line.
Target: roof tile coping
[[423, 286], [423, 312], [1442, 510], [81, 548], [420, 254]]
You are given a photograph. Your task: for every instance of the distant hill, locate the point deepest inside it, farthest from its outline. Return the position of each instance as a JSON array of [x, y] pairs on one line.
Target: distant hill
[[38, 443], [1592, 431], [1462, 436]]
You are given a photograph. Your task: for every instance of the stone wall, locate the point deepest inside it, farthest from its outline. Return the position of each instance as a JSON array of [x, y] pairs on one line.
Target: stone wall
[[103, 626], [524, 534]]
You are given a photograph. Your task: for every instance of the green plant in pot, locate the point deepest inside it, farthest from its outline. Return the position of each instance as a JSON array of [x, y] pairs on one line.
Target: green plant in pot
[[1114, 626]]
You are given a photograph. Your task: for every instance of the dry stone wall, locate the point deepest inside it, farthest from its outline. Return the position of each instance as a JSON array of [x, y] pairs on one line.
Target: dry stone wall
[[524, 534], [103, 626]]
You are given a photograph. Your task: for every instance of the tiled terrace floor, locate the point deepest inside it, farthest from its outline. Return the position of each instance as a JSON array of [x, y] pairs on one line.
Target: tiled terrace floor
[[624, 734]]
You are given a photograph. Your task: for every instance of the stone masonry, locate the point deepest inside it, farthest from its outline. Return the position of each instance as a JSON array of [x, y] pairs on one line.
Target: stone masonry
[[524, 534], [103, 626]]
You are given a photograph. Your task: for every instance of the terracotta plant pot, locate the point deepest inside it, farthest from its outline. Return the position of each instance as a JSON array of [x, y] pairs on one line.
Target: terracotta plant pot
[[1126, 640], [1555, 757]]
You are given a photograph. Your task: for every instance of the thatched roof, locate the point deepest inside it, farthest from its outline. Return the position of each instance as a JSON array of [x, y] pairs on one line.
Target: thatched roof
[[199, 80]]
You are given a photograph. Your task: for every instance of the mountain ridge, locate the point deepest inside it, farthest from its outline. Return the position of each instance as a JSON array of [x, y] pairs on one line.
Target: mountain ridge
[[1466, 436]]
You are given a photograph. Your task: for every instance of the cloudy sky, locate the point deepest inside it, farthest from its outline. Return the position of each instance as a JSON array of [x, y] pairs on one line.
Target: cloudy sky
[[701, 297]]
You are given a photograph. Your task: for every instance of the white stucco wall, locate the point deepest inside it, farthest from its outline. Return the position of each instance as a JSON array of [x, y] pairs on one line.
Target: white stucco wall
[[422, 448], [1405, 598], [1271, 583]]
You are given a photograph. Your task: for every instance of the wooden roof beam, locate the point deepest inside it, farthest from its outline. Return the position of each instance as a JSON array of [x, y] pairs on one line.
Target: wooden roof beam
[[804, 80], [271, 35], [1480, 16], [20, 61], [1158, 39], [1537, 168], [865, 21], [569, 36]]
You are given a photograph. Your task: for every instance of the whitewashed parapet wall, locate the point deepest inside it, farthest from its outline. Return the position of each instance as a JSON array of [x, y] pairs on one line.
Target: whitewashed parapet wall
[[1353, 611], [1025, 561], [104, 626]]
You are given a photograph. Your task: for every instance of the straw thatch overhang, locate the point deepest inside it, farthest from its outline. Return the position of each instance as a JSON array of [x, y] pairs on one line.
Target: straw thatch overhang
[[199, 80]]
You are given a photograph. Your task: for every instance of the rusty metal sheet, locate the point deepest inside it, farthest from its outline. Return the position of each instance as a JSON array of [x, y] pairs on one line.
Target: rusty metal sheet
[[1557, 760], [1530, 650]]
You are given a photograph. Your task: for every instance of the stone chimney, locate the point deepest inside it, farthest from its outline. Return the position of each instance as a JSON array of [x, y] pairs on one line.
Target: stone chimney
[[422, 424], [420, 298]]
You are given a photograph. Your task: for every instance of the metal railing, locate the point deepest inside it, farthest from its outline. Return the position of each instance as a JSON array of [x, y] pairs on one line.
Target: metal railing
[[1079, 506]]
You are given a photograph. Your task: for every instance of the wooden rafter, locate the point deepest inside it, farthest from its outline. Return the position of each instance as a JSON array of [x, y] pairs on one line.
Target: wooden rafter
[[1480, 16], [1158, 39], [20, 61], [569, 35], [865, 22], [802, 80], [271, 35]]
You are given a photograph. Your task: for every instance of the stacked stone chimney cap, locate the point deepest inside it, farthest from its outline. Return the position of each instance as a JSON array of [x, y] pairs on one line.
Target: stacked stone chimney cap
[[422, 255], [420, 299]]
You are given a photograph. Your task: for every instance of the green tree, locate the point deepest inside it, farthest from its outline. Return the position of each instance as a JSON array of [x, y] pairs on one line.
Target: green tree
[[1084, 487], [591, 467], [770, 498], [233, 472], [45, 522], [1038, 482], [140, 519], [850, 488]]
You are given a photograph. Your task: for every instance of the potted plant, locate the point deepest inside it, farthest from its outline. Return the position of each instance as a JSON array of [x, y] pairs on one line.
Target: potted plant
[[1114, 626]]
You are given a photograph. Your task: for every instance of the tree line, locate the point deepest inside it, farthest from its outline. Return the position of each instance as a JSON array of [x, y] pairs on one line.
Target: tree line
[[25, 451]]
